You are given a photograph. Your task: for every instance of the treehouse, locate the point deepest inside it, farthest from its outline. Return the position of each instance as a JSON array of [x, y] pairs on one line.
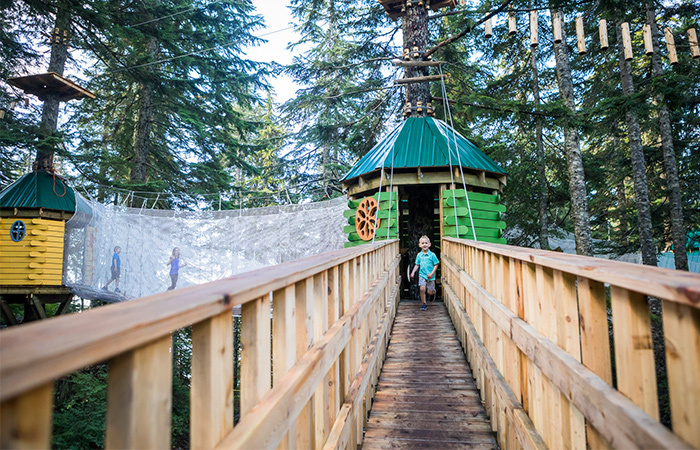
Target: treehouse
[[33, 215]]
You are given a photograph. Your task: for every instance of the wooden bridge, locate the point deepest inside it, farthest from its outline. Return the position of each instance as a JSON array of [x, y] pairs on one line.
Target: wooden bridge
[[559, 347]]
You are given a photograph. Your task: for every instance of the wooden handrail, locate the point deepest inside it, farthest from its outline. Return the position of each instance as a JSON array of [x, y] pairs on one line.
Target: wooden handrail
[[674, 285], [538, 322], [323, 308]]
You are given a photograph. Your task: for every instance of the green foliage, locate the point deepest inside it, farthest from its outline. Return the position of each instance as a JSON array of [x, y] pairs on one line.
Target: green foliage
[[80, 407]]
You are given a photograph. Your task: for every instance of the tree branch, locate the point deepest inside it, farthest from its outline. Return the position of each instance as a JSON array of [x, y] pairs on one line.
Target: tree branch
[[467, 29]]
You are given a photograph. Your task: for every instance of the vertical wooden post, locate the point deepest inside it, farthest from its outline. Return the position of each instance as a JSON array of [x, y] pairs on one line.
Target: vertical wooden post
[[626, 41], [256, 371], [211, 399], [683, 366], [648, 47], [670, 46], [533, 28], [512, 28], [580, 36], [304, 340], [556, 26], [603, 33], [139, 397], [634, 351], [693, 41], [488, 31], [320, 398], [595, 341], [284, 352], [334, 398], [25, 421]]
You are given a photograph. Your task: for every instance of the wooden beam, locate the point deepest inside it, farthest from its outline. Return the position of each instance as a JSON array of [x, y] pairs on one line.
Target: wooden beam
[[670, 46], [580, 36], [211, 400], [401, 63], [626, 41], [488, 30], [512, 27], [26, 420], [556, 26], [693, 41], [403, 179], [424, 79], [648, 47], [139, 397], [533, 28], [603, 33]]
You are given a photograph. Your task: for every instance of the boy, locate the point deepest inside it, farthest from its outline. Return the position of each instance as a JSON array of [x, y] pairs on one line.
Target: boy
[[428, 263], [116, 269]]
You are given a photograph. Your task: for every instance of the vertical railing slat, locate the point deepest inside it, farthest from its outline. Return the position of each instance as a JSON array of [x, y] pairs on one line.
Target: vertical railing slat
[[284, 352], [256, 370], [139, 397], [320, 398], [211, 399], [681, 322], [26, 420], [304, 331], [634, 349]]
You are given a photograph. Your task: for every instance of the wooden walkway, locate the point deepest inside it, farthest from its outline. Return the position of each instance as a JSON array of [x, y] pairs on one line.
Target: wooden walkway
[[426, 397]]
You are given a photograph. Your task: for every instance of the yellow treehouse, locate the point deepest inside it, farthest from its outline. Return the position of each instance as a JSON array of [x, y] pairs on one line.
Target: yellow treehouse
[[33, 213]]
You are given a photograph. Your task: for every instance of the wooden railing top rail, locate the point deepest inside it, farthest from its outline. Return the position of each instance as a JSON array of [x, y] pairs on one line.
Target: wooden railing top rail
[[37, 353], [674, 285]]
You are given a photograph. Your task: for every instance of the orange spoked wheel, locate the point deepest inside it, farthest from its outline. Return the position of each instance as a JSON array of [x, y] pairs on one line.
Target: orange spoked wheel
[[365, 218]]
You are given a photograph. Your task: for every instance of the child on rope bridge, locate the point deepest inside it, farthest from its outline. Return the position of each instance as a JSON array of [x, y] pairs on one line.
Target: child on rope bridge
[[175, 265], [115, 268], [428, 264]]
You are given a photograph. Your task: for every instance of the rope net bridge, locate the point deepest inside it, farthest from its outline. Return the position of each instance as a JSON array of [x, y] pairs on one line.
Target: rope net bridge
[[213, 244]]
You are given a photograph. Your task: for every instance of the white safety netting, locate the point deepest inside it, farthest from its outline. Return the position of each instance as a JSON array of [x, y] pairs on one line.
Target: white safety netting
[[213, 244]]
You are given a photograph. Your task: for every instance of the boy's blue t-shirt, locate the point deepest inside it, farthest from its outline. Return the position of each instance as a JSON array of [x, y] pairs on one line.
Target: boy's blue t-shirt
[[426, 261], [116, 261]]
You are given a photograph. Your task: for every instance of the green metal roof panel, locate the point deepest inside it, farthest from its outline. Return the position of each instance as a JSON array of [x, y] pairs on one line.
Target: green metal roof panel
[[38, 190], [423, 142]]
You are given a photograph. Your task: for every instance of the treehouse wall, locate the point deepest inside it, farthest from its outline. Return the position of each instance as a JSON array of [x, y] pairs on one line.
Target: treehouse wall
[[486, 212], [32, 251], [387, 213]]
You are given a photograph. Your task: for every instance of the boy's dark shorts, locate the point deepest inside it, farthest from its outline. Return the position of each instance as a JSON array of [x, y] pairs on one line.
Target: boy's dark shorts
[[115, 273], [429, 285]]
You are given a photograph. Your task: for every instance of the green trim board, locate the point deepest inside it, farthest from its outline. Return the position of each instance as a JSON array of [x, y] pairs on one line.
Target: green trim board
[[474, 205], [478, 196], [477, 214], [466, 232], [478, 223], [482, 239]]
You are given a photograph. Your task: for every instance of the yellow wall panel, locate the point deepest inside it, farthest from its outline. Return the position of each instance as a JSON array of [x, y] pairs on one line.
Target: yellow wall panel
[[36, 259]]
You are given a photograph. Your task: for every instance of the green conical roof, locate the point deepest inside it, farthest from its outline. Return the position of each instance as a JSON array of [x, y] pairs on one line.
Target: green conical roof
[[38, 190], [423, 142]]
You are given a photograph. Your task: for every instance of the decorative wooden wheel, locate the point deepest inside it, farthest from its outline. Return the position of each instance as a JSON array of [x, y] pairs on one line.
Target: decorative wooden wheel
[[365, 218]]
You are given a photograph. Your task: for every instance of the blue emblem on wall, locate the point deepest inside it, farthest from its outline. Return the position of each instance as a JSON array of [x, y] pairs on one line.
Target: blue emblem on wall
[[18, 230]]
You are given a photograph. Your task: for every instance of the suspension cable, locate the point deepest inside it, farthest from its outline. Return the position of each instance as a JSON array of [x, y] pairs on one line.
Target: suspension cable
[[459, 159]]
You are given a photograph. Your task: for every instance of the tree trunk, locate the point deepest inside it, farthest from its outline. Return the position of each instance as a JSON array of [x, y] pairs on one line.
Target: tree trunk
[[641, 191], [539, 146], [621, 190], [415, 34], [670, 164], [49, 113], [577, 184], [143, 128]]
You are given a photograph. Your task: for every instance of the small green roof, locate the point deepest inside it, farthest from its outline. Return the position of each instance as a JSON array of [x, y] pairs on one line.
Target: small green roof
[[423, 142], [38, 190]]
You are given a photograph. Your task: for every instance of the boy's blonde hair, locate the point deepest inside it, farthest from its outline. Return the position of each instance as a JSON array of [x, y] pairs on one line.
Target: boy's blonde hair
[[424, 237]]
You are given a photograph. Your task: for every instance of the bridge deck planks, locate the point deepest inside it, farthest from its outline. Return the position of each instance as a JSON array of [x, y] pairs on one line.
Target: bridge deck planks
[[426, 397]]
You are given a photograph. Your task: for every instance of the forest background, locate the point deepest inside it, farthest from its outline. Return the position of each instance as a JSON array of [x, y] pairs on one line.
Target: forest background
[[184, 118]]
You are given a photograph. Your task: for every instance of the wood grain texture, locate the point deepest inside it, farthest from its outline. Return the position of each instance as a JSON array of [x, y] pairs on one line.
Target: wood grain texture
[[139, 397], [426, 396], [25, 421]]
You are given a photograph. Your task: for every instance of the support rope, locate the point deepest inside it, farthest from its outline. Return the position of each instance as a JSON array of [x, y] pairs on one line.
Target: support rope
[[459, 159]]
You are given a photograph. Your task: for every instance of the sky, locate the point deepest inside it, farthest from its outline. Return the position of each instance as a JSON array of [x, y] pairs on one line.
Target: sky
[[277, 17]]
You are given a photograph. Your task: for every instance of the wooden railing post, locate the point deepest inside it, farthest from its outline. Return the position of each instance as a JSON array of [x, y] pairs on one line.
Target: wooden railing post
[[256, 371], [284, 351], [211, 398], [139, 397], [26, 420], [304, 331]]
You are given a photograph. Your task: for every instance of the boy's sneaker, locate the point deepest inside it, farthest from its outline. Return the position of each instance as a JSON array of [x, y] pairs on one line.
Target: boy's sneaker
[[424, 307]]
